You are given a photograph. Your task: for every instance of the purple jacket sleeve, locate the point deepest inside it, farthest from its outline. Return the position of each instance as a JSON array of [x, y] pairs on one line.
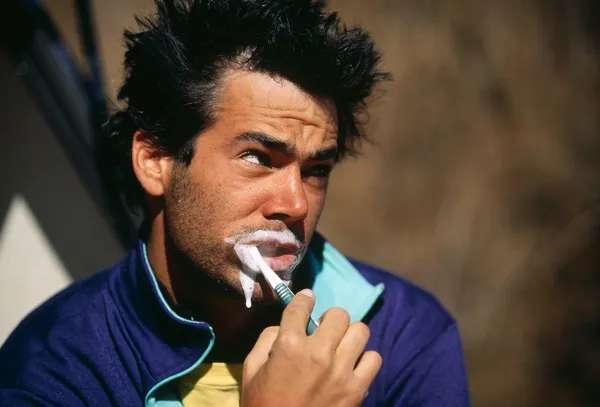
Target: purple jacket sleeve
[[20, 398], [436, 376]]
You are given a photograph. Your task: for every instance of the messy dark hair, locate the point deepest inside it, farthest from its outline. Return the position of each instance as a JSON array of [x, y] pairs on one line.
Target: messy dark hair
[[174, 63]]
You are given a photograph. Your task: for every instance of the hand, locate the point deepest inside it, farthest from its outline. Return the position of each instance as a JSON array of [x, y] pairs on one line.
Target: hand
[[287, 368]]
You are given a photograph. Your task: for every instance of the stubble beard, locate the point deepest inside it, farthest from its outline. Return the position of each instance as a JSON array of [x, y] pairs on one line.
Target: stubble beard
[[200, 256]]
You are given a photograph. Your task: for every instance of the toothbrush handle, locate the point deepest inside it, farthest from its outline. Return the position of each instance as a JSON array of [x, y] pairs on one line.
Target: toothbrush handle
[[286, 295], [311, 327]]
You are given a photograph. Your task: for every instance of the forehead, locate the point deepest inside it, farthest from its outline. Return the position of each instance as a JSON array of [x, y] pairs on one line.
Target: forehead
[[251, 101]]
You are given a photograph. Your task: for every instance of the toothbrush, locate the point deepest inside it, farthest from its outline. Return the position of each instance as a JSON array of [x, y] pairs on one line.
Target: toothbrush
[[283, 292]]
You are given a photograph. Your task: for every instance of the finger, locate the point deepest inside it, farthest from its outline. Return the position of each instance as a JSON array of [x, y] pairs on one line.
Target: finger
[[260, 352], [367, 368], [332, 328], [296, 315], [352, 346]]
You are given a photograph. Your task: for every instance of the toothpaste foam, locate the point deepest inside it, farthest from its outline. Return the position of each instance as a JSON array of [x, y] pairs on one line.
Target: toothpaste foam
[[247, 278], [250, 269]]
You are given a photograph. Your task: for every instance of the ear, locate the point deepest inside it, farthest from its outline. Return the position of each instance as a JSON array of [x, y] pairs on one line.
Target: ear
[[152, 166]]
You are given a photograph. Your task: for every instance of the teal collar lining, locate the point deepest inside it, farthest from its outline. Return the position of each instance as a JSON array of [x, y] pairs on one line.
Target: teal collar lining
[[168, 399], [336, 283]]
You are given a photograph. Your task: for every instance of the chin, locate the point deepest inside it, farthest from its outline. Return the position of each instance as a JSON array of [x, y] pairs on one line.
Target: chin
[[263, 293]]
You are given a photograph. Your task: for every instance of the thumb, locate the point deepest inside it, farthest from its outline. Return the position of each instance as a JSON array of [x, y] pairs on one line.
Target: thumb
[[259, 354]]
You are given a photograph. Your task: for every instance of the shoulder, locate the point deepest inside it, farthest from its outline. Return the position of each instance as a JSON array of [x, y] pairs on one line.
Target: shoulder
[[402, 299], [62, 325], [407, 320], [76, 349], [419, 342]]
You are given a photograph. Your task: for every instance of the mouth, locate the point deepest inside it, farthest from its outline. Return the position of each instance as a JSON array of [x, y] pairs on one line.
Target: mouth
[[279, 257], [281, 250]]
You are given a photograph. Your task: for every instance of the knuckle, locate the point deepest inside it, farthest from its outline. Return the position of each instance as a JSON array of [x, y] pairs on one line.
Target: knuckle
[[321, 356], [360, 329], [340, 379], [295, 312], [289, 342], [301, 301], [339, 314]]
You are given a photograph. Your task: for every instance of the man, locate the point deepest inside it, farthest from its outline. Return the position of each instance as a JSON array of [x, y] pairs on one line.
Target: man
[[236, 111]]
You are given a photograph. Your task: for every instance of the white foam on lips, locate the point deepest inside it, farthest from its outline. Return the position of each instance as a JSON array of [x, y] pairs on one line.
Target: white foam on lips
[[250, 269], [242, 251], [263, 236]]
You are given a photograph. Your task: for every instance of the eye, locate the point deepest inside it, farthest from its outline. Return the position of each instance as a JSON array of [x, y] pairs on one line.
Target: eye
[[319, 171], [256, 157]]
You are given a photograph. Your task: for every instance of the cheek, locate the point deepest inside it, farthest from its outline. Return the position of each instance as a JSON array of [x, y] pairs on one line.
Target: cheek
[[229, 198], [245, 198], [212, 179], [316, 200]]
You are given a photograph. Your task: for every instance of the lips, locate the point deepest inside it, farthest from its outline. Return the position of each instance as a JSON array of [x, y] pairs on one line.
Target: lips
[[281, 263], [279, 257], [280, 250]]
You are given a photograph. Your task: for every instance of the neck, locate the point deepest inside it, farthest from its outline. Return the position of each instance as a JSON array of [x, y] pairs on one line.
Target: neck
[[236, 327]]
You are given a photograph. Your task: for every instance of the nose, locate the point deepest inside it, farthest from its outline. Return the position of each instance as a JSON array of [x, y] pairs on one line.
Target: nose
[[287, 201]]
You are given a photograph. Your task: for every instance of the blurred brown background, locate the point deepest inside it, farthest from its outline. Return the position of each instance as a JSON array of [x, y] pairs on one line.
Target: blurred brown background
[[483, 183]]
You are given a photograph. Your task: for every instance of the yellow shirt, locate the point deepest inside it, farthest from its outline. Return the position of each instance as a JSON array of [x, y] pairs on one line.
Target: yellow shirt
[[211, 384]]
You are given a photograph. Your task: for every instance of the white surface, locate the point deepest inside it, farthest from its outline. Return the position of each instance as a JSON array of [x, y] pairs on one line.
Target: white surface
[[30, 270]]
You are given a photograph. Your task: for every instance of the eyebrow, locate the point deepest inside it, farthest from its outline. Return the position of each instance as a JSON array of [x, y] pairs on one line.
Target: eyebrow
[[276, 144]]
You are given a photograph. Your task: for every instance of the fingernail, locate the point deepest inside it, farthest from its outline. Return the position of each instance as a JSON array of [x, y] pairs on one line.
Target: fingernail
[[307, 292]]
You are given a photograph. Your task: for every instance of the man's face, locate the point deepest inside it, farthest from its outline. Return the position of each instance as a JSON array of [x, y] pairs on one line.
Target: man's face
[[262, 165]]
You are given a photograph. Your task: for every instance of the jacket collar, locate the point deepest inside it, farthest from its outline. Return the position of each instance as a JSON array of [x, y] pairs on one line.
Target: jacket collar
[[337, 283], [334, 280]]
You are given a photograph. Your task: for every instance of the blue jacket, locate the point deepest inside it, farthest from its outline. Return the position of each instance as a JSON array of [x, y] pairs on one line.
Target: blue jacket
[[112, 339]]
